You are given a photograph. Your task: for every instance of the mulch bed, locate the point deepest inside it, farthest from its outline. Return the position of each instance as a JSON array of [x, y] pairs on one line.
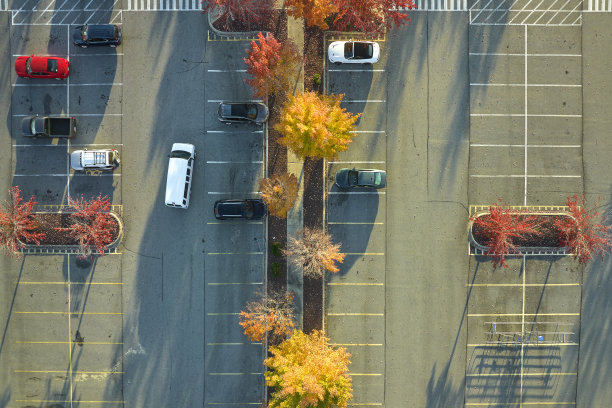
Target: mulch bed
[[48, 222], [548, 237]]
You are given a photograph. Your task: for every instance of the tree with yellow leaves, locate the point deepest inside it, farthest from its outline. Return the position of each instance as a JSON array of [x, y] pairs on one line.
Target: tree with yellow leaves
[[279, 192], [306, 371], [313, 11], [315, 125], [273, 314], [313, 251]]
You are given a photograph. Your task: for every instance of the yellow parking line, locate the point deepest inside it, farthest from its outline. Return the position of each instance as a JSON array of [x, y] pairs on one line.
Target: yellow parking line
[[520, 314], [354, 284], [521, 285], [364, 253], [65, 342], [364, 375]]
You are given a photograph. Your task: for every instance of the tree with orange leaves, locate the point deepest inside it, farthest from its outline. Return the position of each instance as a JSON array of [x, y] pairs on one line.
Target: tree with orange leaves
[[313, 251], [279, 192], [315, 125], [273, 66], [306, 371], [17, 223], [313, 11], [272, 314]]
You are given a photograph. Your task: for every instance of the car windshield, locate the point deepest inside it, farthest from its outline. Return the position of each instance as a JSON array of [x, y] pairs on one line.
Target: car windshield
[[52, 65], [28, 67], [352, 177], [180, 154], [377, 178], [247, 209], [363, 50], [252, 111], [348, 50]]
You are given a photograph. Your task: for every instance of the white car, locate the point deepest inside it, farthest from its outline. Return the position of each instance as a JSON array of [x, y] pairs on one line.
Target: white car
[[353, 52], [99, 159]]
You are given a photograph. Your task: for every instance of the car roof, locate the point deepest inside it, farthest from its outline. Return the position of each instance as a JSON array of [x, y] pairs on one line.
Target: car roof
[[38, 64], [101, 30]]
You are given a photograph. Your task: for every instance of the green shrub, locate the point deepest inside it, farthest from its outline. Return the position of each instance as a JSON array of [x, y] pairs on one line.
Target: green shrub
[[277, 249], [275, 268], [317, 79]]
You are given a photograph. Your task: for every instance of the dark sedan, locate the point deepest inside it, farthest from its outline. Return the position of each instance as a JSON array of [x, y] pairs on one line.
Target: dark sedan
[[249, 209], [369, 178], [243, 112], [97, 34]]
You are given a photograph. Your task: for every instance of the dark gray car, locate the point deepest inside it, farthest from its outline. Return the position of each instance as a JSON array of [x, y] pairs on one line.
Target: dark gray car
[[97, 34], [243, 112], [369, 178], [249, 209]]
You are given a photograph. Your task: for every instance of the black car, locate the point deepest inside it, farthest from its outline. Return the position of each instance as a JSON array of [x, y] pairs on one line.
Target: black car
[[249, 209], [237, 112], [371, 178], [97, 34]]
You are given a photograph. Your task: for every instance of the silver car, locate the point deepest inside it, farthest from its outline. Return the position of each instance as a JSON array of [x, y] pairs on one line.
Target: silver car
[[98, 159], [243, 112]]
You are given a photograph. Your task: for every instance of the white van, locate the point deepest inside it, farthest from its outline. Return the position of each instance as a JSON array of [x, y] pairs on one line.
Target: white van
[[180, 172]]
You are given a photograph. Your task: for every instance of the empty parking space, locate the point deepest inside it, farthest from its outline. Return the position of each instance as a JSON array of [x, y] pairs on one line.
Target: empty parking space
[[234, 162], [356, 218]]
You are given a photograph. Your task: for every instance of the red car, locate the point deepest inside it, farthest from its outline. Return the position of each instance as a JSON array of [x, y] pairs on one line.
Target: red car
[[42, 67]]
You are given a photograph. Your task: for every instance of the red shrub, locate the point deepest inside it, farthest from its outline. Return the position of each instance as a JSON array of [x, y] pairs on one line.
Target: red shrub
[[502, 227], [586, 236], [92, 224], [17, 223]]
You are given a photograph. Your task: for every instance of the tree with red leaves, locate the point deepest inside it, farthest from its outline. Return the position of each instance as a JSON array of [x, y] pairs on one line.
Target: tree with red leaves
[[240, 13], [274, 66], [17, 223], [371, 16], [584, 235], [91, 224], [501, 227]]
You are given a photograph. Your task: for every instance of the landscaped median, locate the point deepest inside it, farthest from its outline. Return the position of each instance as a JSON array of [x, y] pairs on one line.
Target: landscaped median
[[83, 227], [504, 231]]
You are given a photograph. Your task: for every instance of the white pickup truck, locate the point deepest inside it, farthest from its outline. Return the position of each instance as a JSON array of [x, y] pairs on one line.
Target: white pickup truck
[[99, 159]]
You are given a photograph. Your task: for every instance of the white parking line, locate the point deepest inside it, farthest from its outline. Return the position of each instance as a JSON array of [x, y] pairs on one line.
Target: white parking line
[[234, 253], [354, 223], [71, 144], [233, 283], [522, 115], [64, 175], [367, 131], [98, 55], [233, 192], [233, 131], [234, 162], [521, 146], [531, 85], [344, 162], [100, 84], [354, 284], [223, 100], [523, 175], [356, 314], [227, 70], [355, 192], [356, 70], [364, 100], [39, 85], [522, 55]]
